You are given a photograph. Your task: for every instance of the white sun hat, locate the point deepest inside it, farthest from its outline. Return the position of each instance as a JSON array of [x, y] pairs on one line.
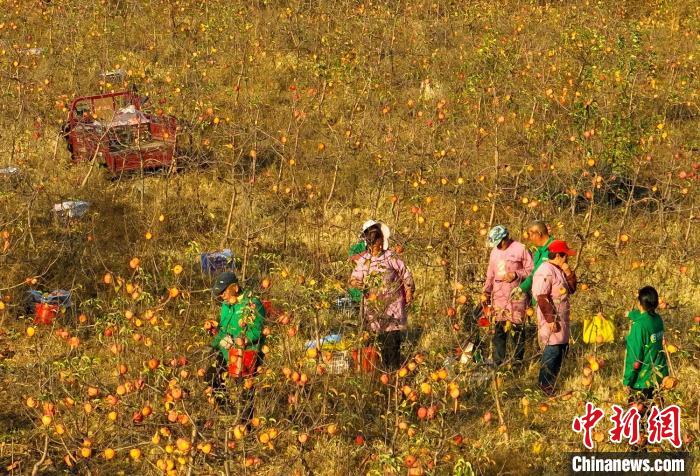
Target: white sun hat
[[386, 233]]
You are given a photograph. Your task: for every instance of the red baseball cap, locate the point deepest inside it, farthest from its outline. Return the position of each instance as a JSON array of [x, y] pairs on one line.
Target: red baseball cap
[[560, 246]]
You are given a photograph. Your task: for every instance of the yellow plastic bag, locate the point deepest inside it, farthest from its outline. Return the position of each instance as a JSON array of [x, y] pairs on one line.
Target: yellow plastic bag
[[598, 330]]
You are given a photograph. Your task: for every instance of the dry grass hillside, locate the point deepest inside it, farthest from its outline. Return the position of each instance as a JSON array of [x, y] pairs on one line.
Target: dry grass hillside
[[300, 120]]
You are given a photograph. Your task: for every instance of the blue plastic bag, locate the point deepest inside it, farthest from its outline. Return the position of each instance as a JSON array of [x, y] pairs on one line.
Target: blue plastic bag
[[59, 297], [217, 261]]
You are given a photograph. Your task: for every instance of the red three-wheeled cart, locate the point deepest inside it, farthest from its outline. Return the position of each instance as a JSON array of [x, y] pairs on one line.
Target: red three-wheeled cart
[[113, 130]]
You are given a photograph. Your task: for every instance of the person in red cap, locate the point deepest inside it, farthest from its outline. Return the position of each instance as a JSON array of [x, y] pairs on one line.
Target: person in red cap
[[553, 283]]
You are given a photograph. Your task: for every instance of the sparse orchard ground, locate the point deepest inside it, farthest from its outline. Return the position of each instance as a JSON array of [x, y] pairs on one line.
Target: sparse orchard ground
[[439, 118]]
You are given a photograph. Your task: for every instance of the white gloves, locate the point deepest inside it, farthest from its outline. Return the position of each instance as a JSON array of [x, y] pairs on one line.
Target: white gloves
[[226, 342]]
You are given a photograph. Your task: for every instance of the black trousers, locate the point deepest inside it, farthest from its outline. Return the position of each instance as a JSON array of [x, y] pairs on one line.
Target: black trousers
[[647, 398], [500, 339], [217, 381], [215, 374], [389, 344]]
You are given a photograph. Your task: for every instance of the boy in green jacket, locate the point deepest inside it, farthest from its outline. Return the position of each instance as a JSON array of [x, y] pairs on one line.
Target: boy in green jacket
[[240, 329], [645, 361]]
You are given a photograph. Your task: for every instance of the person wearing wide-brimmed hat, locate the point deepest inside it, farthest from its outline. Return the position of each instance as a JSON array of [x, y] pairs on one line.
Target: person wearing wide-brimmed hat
[[509, 264], [388, 287], [553, 284], [240, 336], [359, 248]]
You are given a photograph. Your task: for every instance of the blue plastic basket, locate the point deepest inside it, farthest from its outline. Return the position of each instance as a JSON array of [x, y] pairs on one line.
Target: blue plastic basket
[[217, 261]]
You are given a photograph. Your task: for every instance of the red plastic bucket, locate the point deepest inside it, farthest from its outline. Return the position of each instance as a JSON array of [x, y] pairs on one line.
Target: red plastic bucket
[[249, 362], [44, 314]]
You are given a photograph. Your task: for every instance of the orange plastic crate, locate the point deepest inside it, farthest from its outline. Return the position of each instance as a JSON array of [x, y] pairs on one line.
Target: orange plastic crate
[[370, 359]]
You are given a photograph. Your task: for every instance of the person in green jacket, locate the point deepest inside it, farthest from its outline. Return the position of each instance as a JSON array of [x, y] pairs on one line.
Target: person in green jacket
[[241, 328], [645, 360], [354, 253], [538, 234]]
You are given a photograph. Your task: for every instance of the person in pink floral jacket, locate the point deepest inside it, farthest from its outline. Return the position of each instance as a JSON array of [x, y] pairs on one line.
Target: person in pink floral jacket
[[509, 264], [388, 289], [554, 282]]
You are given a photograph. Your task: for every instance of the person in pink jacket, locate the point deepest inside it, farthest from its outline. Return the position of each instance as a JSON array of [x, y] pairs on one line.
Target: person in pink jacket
[[552, 285], [388, 287], [509, 264]]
